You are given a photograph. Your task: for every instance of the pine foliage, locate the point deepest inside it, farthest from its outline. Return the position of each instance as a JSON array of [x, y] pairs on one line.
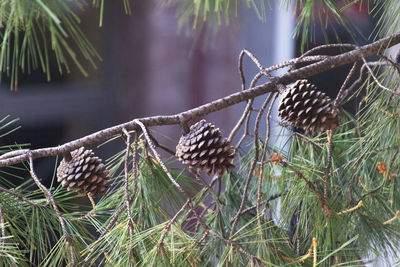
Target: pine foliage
[[294, 199], [26, 26]]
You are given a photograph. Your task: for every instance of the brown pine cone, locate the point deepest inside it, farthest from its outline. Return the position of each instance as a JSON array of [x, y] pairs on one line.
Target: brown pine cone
[[203, 148], [83, 173], [305, 107]]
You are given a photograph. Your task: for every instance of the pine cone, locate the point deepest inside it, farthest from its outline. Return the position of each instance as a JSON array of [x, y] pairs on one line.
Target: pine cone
[[203, 148], [305, 107], [84, 173]]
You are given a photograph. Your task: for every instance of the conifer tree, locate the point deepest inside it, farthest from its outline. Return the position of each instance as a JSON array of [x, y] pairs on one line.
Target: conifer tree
[[331, 199]]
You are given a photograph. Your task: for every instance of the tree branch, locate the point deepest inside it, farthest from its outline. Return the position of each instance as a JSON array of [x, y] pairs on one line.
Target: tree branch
[[270, 86], [19, 196]]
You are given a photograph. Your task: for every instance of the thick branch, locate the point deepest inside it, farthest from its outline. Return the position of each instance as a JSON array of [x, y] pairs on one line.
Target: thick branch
[[270, 86]]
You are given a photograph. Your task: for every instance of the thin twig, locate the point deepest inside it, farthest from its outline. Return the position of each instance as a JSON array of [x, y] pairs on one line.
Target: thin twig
[[114, 218], [350, 209], [339, 96], [232, 243], [19, 196], [84, 217], [241, 72], [158, 158], [214, 195], [329, 135], [359, 80], [363, 155], [273, 197], [310, 185], [253, 58], [50, 198], [397, 215], [308, 141], [245, 131], [376, 189], [314, 242], [391, 62], [135, 167], [135, 177], [205, 209], [325, 46], [291, 62], [126, 172], [263, 155], [249, 102], [396, 92], [247, 110], [3, 228], [353, 86], [171, 221], [157, 144], [246, 114], [165, 169], [204, 182], [253, 165], [206, 232]]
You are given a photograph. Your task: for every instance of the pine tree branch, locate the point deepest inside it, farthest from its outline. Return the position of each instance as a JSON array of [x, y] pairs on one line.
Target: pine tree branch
[[246, 115], [198, 177], [271, 86], [3, 235], [329, 136], [135, 165], [312, 187], [359, 159], [339, 96], [263, 155], [189, 201], [396, 92], [171, 221], [252, 168], [386, 177], [126, 173], [3, 229], [50, 198], [249, 102], [19, 196], [265, 202], [136, 170]]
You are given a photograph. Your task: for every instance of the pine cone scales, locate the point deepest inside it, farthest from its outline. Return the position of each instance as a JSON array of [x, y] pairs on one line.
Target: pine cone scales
[[305, 107], [84, 173], [204, 148]]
